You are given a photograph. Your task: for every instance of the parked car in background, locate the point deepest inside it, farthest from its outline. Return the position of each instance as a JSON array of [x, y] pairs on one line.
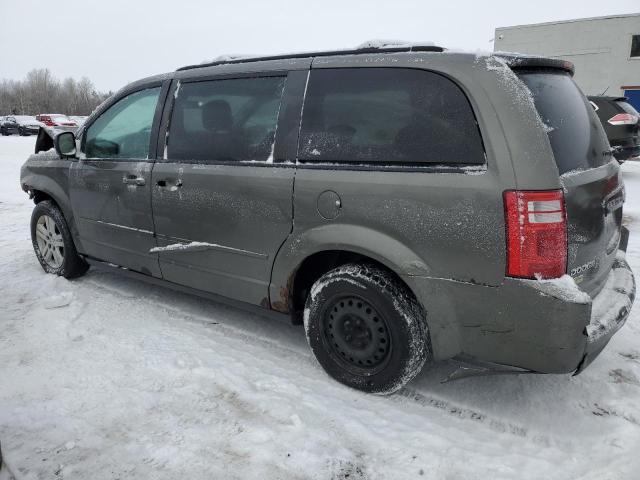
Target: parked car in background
[[8, 126], [621, 122], [27, 124], [421, 228], [78, 119], [56, 120]]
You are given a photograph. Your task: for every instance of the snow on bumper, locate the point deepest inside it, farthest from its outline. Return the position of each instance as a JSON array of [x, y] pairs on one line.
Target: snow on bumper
[[609, 309]]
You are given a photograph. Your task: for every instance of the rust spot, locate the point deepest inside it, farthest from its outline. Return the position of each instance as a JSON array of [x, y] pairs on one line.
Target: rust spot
[[283, 302]]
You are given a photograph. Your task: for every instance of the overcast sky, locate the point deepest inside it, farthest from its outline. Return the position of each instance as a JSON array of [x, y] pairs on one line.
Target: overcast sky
[[114, 42]]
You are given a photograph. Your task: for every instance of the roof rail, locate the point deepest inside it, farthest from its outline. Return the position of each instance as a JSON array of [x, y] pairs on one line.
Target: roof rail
[[357, 51]]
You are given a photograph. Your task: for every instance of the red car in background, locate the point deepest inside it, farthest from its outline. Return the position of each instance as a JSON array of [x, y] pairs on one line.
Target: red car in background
[[55, 120]]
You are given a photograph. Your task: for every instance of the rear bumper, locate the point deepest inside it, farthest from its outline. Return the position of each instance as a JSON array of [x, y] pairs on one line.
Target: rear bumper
[[525, 323], [627, 149], [609, 310]]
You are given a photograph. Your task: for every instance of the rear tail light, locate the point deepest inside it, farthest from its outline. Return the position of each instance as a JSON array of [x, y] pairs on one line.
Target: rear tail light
[[623, 119], [536, 225]]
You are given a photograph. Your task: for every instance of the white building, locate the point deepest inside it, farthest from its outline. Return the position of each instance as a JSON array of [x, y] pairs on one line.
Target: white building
[[604, 50]]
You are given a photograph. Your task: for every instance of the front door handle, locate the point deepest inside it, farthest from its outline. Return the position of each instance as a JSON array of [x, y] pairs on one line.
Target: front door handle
[[133, 180]]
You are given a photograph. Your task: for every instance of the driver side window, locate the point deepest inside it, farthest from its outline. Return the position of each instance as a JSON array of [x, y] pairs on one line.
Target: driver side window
[[124, 130]]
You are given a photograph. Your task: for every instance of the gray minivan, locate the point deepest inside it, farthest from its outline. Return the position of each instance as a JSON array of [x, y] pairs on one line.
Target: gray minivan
[[407, 204]]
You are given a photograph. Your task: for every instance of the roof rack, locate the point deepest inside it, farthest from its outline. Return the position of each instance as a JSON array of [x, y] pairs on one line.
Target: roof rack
[[357, 51]]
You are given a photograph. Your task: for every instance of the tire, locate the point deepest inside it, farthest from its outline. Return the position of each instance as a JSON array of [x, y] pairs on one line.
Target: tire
[[52, 242], [366, 329]]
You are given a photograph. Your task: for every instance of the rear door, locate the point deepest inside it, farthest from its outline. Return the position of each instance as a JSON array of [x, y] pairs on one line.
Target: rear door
[[593, 187], [110, 184], [222, 196]]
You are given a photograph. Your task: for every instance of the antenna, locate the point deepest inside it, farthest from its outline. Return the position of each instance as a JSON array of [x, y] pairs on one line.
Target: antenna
[[605, 91]]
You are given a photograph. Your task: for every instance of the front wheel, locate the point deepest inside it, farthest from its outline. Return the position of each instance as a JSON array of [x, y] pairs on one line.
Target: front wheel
[[52, 242], [366, 329]]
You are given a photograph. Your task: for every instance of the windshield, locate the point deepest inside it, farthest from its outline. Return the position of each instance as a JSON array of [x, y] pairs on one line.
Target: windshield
[[575, 133]]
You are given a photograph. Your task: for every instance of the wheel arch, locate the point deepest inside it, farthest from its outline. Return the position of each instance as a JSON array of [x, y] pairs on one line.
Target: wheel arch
[[305, 258], [48, 190]]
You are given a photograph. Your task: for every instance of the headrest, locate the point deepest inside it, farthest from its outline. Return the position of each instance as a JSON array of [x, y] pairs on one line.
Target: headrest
[[216, 116]]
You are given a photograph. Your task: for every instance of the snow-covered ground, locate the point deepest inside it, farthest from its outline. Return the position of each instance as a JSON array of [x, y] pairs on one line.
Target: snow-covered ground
[[105, 377]]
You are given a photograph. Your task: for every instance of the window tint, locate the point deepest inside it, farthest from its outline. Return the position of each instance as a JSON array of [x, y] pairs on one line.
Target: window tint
[[635, 46], [225, 119], [576, 136], [387, 115], [124, 130]]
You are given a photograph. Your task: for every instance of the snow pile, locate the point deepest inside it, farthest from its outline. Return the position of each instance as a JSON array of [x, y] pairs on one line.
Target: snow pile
[[564, 288], [228, 58], [381, 43]]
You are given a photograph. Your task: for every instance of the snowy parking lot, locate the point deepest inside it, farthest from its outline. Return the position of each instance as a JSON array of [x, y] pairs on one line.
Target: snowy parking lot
[[105, 377]]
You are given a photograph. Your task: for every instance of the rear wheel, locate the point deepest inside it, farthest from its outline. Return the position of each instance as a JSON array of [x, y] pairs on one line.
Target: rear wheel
[[52, 242], [366, 328]]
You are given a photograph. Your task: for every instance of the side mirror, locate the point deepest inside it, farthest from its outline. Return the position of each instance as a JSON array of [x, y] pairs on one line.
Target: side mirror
[[65, 144]]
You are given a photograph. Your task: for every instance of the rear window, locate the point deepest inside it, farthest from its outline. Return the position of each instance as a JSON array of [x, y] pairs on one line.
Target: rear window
[[575, 132], [387, 116]]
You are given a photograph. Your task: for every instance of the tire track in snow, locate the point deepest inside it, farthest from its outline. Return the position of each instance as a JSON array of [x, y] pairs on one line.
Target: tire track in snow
[[406, 395]]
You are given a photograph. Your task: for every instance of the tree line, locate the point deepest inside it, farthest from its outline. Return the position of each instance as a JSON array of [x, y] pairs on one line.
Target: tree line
[[41, 92]]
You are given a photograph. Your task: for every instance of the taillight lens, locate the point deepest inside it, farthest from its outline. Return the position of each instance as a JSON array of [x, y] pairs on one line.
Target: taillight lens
[[536, 224], [623, 119]]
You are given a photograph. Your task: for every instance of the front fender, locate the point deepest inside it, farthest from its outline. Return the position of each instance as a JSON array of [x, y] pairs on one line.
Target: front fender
[[47, 173]]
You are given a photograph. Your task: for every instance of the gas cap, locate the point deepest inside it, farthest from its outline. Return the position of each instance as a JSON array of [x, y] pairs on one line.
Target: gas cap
[[329, 204]]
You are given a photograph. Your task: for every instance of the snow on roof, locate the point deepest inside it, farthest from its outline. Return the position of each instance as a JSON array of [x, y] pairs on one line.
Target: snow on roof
[[380, 43]]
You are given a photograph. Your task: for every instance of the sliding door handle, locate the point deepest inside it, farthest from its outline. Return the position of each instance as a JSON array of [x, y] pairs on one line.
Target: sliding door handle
[[169, 183]]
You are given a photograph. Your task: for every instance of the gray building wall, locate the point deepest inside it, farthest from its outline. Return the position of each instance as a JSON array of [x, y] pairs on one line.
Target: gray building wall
[[598, 47]]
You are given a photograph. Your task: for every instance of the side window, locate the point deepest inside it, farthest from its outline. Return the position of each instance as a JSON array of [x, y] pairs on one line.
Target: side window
[[387, 116], [124, 130], [635, 46], [228, 120]]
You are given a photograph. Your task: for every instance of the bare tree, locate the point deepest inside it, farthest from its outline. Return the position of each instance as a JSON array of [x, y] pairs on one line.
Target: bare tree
[[41, 92]]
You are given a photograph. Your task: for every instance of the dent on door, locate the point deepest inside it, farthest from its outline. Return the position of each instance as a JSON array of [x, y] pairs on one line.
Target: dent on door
[[112, 206]]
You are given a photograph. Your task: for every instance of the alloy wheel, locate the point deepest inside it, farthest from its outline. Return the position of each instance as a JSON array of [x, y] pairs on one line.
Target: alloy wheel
[[50, 241]]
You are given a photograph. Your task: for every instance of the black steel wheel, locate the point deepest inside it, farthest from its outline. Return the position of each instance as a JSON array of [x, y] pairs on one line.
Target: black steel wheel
[[366, 328], [356, 334]]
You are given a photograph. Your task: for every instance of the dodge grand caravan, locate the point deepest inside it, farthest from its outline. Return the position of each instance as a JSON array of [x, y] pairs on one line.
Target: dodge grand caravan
[[406, 204]]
